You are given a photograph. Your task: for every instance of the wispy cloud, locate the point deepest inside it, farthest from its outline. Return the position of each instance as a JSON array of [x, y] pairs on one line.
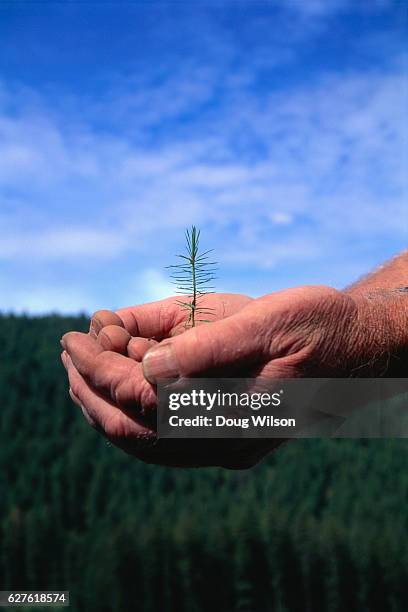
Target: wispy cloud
[[151, 284], [318, 8], [325, 154], [306, 171], [58, 244]]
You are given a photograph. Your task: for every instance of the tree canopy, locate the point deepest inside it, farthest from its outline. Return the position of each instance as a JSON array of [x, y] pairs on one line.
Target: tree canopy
[[320, 525]]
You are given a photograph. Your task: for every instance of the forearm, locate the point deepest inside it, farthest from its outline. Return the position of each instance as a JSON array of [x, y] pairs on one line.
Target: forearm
[[390, 276], [382, 303]]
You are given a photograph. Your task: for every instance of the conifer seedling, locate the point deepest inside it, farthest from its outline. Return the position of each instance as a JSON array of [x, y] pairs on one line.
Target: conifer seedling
[[193, 277]]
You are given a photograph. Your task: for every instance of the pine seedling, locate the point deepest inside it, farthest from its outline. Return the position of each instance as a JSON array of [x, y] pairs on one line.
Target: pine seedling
[[193, 278]]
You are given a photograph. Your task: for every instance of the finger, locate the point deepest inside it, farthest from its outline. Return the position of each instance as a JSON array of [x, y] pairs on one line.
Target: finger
[[177, 453], [64, 358], [172, 453], [104, 415], [137, 347], [86, 414], [97, 411], [225, 345], [102, 318], [119, 377], [152, 320], [114, 338], [71, 342], [74, 398]]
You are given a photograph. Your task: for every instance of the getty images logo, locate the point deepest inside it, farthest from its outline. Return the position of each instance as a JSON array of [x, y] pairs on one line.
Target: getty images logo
[[208, 401]]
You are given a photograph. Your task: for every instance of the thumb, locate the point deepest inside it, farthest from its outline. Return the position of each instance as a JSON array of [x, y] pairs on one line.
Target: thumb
[[231, 341]]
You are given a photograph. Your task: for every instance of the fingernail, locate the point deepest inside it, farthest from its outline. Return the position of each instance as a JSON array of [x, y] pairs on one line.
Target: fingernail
[[95, 327], [62, 342], [160, 362]]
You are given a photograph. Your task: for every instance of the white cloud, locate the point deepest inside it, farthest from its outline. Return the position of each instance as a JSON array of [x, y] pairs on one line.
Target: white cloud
[[322, 8], [58, 244], [281, 218], [276, 251], [333, 153], [310, 173], [150, 285]]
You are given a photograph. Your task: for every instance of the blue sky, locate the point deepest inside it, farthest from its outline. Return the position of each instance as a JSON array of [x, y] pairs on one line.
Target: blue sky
[[278, 127]]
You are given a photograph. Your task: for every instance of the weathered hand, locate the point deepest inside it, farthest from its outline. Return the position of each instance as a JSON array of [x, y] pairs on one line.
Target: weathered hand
[[306, 331], [106, 380]]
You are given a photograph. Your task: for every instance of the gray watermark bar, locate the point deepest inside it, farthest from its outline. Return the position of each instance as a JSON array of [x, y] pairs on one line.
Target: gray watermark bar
[[32, 599], [284, 408]]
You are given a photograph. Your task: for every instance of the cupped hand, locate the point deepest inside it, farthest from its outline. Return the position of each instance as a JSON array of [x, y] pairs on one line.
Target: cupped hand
[[305, 331], [107, 382]]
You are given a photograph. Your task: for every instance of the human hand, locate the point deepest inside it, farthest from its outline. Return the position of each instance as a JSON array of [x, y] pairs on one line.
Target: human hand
[[107, 382], [306, 331]]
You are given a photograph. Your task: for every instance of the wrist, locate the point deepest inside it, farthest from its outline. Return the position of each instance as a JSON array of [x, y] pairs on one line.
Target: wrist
[[380, 331]]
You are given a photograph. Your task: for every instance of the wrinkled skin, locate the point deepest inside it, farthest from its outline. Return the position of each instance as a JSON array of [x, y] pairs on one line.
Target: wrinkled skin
[[305, 331]]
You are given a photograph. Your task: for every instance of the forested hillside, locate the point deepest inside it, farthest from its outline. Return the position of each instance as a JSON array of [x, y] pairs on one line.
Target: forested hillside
[[320, 525]]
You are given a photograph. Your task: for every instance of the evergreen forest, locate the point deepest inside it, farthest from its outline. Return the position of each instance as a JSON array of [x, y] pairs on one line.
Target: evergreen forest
[[319, 525]]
